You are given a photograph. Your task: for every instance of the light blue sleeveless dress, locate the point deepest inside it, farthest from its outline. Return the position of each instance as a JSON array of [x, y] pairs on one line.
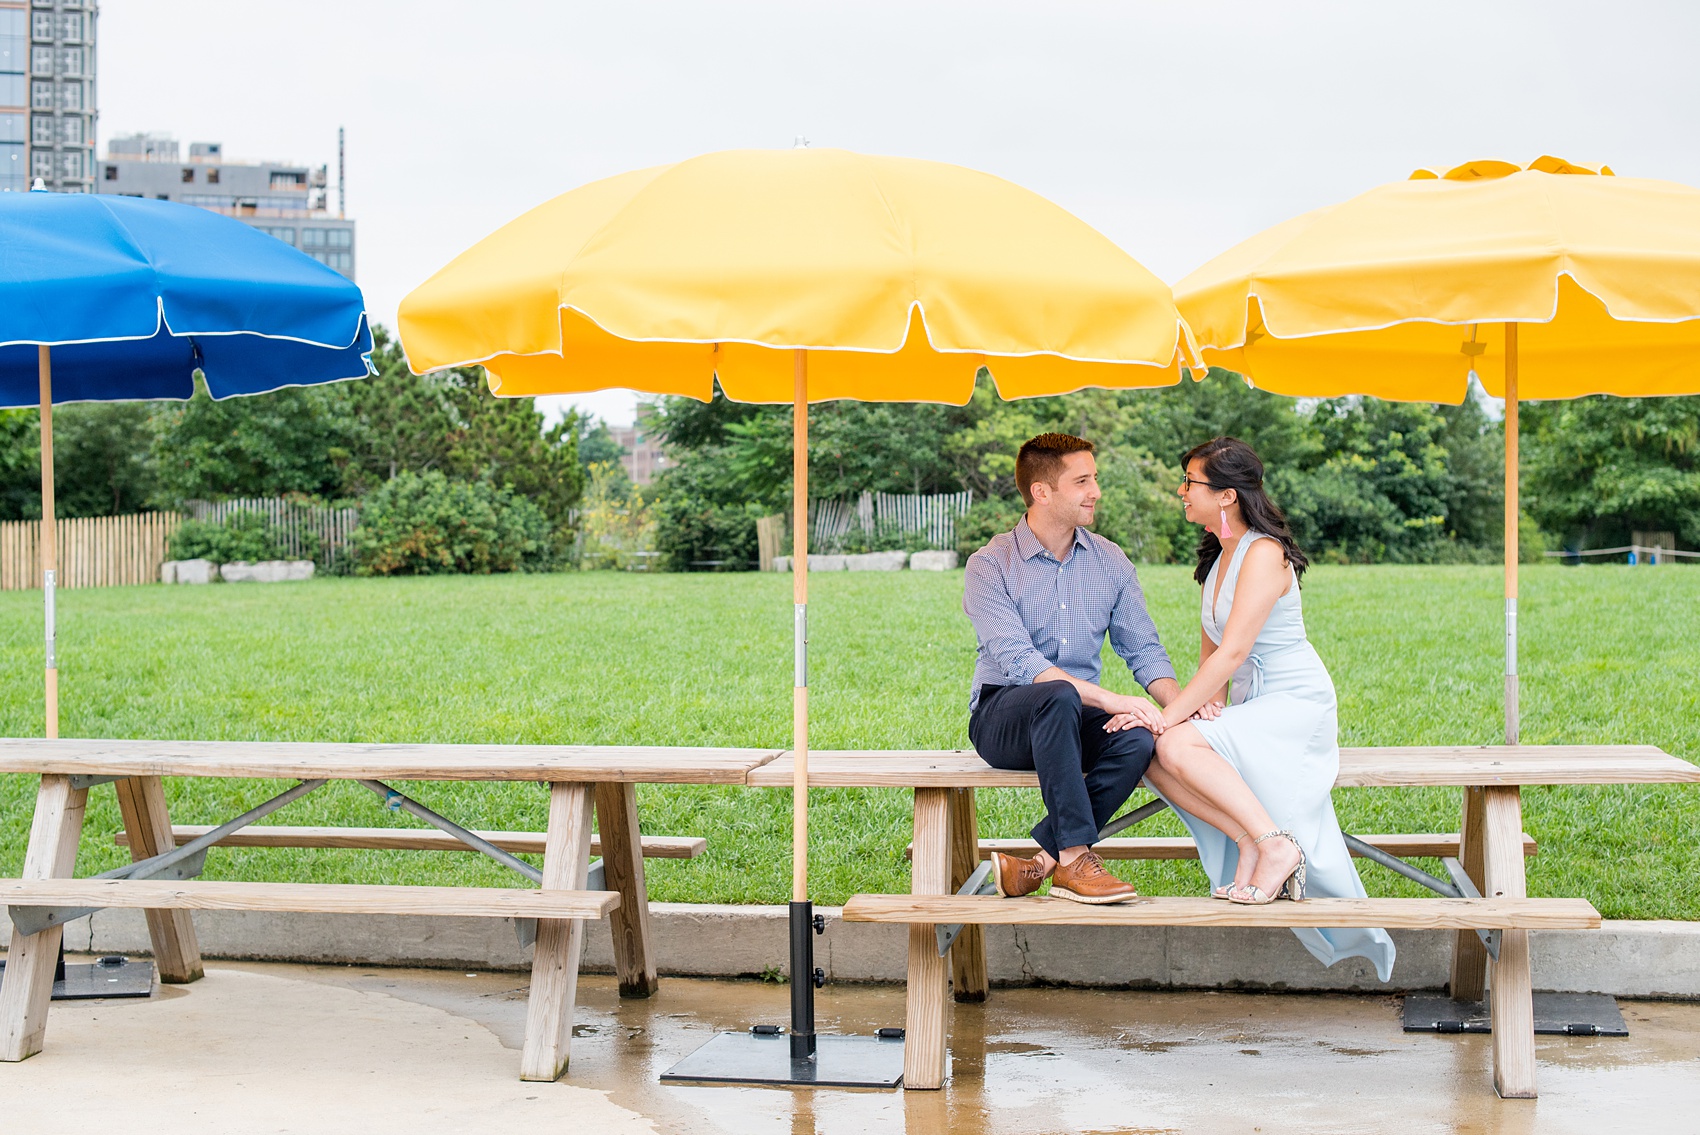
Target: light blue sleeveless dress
[[1281, 732]]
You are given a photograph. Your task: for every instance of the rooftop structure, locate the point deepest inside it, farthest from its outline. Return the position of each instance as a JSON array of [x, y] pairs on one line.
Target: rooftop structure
[[287, 201], [47, 94]]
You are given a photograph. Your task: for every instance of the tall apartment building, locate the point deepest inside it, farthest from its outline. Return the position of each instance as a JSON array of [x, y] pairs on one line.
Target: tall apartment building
[[47, 94], [644, 457], [289, 202]]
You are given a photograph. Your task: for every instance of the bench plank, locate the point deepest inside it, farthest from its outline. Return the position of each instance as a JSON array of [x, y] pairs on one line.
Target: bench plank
[[648, 764], [1428, 845], [322, 898], [414, 839], [1409, 914], [1439, 765]]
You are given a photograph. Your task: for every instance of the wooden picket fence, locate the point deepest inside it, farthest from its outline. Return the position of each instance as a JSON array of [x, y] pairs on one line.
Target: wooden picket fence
[[332, 526], [933, 515], [99, 551]]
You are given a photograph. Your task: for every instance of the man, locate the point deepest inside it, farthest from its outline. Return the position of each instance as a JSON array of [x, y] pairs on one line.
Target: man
[[1041, 599]]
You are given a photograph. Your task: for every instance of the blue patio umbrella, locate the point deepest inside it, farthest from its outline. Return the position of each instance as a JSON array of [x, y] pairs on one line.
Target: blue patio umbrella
[[111, 299]]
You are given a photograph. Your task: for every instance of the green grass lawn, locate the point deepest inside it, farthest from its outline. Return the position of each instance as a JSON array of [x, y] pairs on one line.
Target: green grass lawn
[[1609, 655]]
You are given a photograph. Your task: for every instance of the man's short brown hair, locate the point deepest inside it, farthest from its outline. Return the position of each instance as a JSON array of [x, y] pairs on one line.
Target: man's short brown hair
[[1041, 459]]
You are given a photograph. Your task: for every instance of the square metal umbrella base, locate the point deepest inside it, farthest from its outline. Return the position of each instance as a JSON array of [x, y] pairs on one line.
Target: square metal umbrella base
[[1560, 1014], [111, 976], [838, 1062]]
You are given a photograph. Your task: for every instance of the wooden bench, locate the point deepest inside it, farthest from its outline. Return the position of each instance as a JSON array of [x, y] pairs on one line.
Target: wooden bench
[[1491, 849], [1424, 846], [582, 781]]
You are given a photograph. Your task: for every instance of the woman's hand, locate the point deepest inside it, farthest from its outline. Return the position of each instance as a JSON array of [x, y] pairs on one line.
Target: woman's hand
[[1139, 714], [1209, 711]]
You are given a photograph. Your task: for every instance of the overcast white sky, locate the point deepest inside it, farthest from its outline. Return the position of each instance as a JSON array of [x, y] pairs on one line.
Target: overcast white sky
[[1177, 129]]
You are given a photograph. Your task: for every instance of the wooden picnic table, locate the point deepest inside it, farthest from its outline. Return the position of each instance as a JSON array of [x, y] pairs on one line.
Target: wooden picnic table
[[1492, 845], [581, 779]]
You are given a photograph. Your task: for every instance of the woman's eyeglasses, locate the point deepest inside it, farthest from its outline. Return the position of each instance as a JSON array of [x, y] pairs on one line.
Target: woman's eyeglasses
[[1188, 482]]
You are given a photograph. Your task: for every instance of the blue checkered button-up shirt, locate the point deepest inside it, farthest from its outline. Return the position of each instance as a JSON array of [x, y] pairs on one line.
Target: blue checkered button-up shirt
[[1031, 612]]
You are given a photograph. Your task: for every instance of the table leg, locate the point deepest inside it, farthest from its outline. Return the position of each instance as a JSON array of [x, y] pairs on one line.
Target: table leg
[[622, 860], [1469, 956], [176, 950], [1511, 999], [27, 986], [554, 965], [968, 955], [923, 1044]]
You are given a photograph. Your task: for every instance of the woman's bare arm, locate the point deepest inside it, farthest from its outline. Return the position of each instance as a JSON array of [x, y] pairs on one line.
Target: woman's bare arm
[[1264, 578]]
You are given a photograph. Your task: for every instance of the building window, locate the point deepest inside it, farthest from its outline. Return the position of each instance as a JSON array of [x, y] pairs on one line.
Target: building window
[[41, 130], [41, 95], [71, 164], [284, 180], [71, 130], [70, 96], [339, 238], [285, 233], [112, 173], [212, 177], [70, 61], [341, 261], [188, 174], [42, 26], [71, 26], [312, 238], [41, 60], [12, 167], [41, 163]]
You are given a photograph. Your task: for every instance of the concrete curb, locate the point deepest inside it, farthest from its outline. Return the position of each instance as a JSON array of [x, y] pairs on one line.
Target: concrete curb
[[1627, 959]]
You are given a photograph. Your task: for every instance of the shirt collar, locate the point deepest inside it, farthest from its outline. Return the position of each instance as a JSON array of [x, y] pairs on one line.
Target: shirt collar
[[1029, 546]]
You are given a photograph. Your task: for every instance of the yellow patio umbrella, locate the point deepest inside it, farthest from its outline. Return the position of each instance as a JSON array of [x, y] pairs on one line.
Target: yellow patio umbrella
[[1553, 280], [798, 276]]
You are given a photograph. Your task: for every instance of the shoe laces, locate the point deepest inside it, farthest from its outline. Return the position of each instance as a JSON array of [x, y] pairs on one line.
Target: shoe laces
[[1089, 865]]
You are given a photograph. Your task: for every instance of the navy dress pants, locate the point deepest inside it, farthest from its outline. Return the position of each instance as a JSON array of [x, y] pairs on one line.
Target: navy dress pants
[[1085, 774]]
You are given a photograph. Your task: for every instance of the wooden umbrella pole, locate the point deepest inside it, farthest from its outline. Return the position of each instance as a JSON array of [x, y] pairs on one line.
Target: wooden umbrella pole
[[800, 630], [49, 536], [1511, 538]]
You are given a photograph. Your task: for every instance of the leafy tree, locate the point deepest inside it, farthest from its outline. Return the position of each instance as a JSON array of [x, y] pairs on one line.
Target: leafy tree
[[596, 444], [293, 440], [1598, 469], [103, 449]]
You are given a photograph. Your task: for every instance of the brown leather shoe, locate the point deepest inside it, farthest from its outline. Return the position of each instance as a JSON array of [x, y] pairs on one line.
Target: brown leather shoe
[[1087, 880], [1016, 876]]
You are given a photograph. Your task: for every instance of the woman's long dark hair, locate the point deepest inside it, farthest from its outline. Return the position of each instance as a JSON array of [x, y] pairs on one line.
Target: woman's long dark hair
[[1230, 463]]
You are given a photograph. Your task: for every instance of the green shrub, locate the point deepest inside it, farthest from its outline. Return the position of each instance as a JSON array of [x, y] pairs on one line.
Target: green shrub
[[243, 535], [426, 524], [986, 518]]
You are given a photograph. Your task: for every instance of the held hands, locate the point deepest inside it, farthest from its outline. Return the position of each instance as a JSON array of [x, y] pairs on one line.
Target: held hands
[[1143, 715], [1136, 713]]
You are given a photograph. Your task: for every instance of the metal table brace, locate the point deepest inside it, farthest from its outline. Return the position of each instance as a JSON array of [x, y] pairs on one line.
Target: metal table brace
[[1461, 887], [524, 928], [188, 860], [183, 862]]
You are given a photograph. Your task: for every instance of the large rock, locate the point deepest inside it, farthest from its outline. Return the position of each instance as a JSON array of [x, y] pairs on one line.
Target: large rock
[[188, 571], [932, 561], [876, 561], [267, 571], [817, 562]]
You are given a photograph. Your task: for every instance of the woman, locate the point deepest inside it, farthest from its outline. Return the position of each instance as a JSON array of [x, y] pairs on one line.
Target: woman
[[1253, 780]]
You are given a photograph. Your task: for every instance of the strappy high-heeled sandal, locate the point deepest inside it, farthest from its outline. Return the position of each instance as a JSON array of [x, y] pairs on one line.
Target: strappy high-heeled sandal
[[1292, 887], [1226, 890]]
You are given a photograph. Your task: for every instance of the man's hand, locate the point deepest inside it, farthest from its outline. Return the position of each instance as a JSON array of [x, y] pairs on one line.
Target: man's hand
[[1135, 713]]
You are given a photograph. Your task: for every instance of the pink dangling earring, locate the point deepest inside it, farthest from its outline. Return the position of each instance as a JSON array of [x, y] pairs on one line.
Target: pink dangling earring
[[1227, 534]]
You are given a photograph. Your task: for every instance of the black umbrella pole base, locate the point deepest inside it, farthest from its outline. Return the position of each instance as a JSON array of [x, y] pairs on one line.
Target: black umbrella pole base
[[802, 980], [768, 1054]]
